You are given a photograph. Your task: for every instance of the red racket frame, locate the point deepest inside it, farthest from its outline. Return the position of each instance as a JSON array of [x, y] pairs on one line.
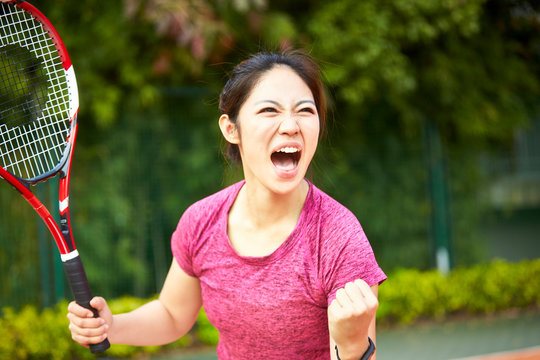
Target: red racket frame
[[62, 234]]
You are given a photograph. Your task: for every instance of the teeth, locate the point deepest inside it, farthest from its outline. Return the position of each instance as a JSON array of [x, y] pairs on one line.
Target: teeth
[[288, 150]]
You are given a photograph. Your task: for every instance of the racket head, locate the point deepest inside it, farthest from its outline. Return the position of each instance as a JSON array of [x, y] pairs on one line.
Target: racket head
[[38, 95]]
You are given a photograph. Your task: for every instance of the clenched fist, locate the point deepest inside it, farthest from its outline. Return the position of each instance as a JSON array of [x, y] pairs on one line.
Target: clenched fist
[[85, 329], [349, 317]]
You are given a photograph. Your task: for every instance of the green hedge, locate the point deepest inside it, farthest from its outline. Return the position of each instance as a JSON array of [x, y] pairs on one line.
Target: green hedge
[[407, 296], [29, 334]]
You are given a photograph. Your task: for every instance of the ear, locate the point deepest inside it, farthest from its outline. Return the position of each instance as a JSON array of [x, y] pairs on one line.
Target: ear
[[229, 129]]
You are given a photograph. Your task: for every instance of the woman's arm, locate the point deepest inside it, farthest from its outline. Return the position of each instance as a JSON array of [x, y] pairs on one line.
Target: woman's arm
[[351, 320], [155, 323]]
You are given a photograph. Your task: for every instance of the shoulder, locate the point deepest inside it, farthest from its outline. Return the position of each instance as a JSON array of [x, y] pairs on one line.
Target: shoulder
[[213, 203], [343, 252], [198, 221], [209, 209], [337, 226], [332, 214]]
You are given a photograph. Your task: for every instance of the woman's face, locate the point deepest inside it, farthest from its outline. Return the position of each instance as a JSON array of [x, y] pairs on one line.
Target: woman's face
[[278, 130]]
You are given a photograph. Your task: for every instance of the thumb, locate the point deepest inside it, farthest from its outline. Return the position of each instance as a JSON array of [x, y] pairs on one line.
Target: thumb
[[100, 304]]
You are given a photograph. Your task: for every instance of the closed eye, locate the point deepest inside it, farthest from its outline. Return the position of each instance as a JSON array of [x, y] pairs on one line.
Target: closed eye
[[308, 110], [267, 110]]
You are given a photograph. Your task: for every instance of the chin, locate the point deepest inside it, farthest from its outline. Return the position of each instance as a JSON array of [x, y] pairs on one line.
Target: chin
[[288, 185]]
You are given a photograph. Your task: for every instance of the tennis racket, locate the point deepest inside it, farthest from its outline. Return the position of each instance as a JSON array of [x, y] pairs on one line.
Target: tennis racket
[[38, 125]]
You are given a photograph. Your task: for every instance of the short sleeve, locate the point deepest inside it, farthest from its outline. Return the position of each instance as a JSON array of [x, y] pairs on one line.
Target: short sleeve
[[348, 256], [181, 242]]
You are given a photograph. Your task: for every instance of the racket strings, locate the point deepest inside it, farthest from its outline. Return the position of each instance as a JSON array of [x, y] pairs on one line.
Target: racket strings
[[32, 150], [34, 97], [23, 93]]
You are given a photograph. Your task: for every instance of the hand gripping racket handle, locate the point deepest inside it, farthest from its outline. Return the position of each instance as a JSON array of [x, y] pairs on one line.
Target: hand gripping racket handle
[[81, 291]]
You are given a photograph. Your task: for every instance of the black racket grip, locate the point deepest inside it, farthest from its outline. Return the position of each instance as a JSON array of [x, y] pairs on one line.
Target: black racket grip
[[81, 291]]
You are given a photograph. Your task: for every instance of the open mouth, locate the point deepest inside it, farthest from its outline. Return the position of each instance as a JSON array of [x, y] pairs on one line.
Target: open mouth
[[286, 158]]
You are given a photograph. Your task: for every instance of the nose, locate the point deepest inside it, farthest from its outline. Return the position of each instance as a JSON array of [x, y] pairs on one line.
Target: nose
[[289, 125]]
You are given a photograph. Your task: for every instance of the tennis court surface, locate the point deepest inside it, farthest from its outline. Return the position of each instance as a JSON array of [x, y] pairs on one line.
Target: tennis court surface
[[504, 337], [524, 354]]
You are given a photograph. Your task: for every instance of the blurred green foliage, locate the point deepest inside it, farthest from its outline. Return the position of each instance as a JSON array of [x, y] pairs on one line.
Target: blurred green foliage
[[32, 334], [410, 295], [206, 332], [149, 74]]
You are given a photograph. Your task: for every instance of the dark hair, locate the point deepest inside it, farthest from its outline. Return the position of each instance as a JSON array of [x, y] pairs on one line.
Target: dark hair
[[246, 75]]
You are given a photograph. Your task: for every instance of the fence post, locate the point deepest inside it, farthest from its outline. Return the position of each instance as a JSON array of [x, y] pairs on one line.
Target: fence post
[[438, 195]]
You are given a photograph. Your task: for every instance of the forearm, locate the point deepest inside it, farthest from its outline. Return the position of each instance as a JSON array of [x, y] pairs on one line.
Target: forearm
[[150, 324], [357, 349]]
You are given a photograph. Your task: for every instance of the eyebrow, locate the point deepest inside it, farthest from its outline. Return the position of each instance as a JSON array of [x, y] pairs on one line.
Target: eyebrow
[[279, 105]]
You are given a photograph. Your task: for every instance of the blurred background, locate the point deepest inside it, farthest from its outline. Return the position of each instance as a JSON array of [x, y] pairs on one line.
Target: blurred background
[[433, 139]]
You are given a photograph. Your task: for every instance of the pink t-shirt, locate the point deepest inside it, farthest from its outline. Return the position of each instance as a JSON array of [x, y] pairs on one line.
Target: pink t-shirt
[[275, 306]]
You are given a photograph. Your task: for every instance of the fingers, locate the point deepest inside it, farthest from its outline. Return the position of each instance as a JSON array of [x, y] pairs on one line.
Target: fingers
[[354, 307], [98, 303], [356, 295], [85, 329], [88, 333], [350, 316], [79, 311], [369, 297]]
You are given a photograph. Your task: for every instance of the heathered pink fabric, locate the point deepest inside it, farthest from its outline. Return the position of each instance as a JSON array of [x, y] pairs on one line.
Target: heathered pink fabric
[[274, 307]]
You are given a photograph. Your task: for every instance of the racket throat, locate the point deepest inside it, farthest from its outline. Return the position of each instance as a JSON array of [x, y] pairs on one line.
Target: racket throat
[[65, 229]]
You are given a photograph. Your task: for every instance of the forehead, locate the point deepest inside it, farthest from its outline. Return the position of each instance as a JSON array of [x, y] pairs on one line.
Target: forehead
[[280, 82]]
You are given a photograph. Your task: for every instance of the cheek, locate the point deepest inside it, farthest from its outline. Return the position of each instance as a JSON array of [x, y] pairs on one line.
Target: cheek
[[257, 133], [253, 140], [311, 140], [312, 131]]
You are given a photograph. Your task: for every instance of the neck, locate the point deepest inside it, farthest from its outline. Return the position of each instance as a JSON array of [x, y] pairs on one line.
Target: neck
[[264, 208]]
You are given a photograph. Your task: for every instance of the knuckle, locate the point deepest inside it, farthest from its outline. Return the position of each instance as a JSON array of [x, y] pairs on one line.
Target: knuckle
[[372, 302], [73, 307], [87, 323], [347, 314], [76, 321], [359, 310], [360, 282]]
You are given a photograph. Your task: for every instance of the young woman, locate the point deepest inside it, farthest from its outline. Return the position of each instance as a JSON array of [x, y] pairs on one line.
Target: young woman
[[283, 270]]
